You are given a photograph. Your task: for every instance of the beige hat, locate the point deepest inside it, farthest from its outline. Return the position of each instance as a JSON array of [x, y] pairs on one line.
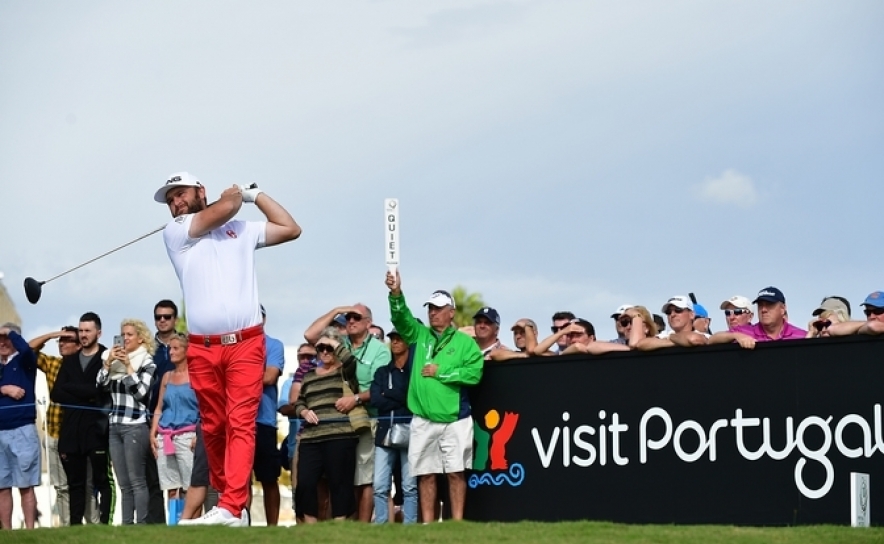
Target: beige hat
[[737, 301]]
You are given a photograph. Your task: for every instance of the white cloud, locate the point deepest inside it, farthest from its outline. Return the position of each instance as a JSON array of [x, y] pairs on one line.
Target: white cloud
[[731, 187]]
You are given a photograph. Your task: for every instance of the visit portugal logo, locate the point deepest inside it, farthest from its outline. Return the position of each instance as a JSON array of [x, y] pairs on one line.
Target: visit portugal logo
[[491, 444]]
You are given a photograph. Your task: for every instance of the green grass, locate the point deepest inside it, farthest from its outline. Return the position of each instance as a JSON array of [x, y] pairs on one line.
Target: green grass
[[449, 532]]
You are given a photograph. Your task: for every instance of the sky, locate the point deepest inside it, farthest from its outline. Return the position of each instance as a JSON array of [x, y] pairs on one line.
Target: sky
[[550, 155]]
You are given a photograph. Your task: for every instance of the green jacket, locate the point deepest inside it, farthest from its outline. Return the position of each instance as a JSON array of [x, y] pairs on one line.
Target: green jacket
[[460, 361]]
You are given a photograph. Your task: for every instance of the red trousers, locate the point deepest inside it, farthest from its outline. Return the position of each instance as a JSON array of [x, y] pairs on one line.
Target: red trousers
[[228, 384]]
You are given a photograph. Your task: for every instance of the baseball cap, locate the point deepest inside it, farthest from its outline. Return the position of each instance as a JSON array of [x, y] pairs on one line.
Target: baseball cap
[[621, 310], [770, 294], [679, 302], [876, 299], [178, 179], [341, 320], [489, 313], [440, 298], [831, 304], [530, 322], [737, 301], [700, 311], [393, 332]]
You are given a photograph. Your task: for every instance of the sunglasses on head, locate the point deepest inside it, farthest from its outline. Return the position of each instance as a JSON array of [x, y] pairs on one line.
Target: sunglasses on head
[[873, 311], [320, 348], [675, 309], [820, 325], [163, 317], [738, 311]]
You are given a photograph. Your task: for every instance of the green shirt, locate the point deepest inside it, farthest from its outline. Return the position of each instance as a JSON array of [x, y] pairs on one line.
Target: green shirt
[[460, 361]]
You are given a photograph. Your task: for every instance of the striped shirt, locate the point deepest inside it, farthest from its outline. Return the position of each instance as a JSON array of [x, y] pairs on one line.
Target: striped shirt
[[49, 365], [319, 393], [131, 393]]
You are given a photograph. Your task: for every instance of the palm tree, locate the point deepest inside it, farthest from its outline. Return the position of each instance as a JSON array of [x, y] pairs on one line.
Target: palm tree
[[466, 305]]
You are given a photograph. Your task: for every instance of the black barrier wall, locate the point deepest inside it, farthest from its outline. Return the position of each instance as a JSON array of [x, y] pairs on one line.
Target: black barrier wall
[[714, 434]]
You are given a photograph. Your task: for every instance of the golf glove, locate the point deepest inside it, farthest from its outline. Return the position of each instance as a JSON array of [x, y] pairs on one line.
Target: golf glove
[[250, 192]]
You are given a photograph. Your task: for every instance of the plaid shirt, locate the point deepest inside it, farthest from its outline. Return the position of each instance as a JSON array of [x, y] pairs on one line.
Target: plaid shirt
[[50, 365], [129, 394]]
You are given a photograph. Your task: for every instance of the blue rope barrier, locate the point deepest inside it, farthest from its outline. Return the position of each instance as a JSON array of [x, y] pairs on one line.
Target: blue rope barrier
[[150, 414]]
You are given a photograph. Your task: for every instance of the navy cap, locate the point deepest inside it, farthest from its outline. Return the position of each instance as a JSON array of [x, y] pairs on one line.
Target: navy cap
[[341, 320], [770, 294], [488, 313]]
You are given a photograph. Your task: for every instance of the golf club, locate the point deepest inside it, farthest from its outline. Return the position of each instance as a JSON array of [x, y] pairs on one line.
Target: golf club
[[34, 288]]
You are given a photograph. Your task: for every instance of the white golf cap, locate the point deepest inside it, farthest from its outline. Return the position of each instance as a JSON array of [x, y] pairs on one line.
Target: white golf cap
[[679, 302], [440, 299], [178, 179], [620, 310], [736, 301]]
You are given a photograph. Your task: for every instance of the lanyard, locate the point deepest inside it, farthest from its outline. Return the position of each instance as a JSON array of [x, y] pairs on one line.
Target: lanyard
[[448, 336]]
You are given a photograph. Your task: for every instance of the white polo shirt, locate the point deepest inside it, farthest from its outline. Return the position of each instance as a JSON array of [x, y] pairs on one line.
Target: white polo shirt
[[217, 274]]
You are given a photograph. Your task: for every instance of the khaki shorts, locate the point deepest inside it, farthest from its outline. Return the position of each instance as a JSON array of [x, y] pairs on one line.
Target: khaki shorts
[[365, 457], [437, 448]]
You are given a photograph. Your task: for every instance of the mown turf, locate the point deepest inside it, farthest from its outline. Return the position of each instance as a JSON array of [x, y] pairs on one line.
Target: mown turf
[[449, 532]]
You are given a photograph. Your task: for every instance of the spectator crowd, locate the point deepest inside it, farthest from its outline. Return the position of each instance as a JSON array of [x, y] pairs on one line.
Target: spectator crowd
[[380, 427]]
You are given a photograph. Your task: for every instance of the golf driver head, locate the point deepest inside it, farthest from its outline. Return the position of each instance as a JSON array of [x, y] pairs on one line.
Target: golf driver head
[[33, 290]]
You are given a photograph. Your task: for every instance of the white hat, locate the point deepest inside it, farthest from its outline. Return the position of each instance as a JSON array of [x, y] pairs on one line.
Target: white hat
[[178, 179], [440, 298], [736, 301], [679, 302], [621, 310]]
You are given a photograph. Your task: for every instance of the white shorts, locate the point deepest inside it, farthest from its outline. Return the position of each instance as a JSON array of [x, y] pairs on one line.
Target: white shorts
[[365, 456], [175, 470], [436, 448]]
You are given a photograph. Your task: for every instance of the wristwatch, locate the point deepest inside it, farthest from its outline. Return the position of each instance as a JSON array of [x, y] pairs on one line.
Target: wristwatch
[[358, 400]]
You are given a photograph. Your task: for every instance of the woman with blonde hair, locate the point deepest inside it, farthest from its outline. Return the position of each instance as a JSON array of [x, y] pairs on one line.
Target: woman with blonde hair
[[638, 324], [127, 373], [173, 429], [819, 326]]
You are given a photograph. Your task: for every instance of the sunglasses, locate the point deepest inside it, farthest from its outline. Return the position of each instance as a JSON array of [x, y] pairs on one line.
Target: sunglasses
[[625, 321], [66, 340], [675, 309], [306, 356], [353, 317], [163, 317], [324, 348], [738, 311], [873, 311], [554, 328], [820, 325]]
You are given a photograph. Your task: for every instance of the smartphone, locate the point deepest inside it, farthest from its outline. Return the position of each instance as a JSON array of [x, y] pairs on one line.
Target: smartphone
[[118, 340]]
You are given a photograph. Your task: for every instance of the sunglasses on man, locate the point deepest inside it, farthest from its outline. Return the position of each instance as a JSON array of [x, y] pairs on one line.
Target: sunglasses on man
[[873, 311], [675, 309], [738, 311]]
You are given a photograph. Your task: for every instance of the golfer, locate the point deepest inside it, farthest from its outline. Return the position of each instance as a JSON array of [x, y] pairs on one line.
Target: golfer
[[214, 257]]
